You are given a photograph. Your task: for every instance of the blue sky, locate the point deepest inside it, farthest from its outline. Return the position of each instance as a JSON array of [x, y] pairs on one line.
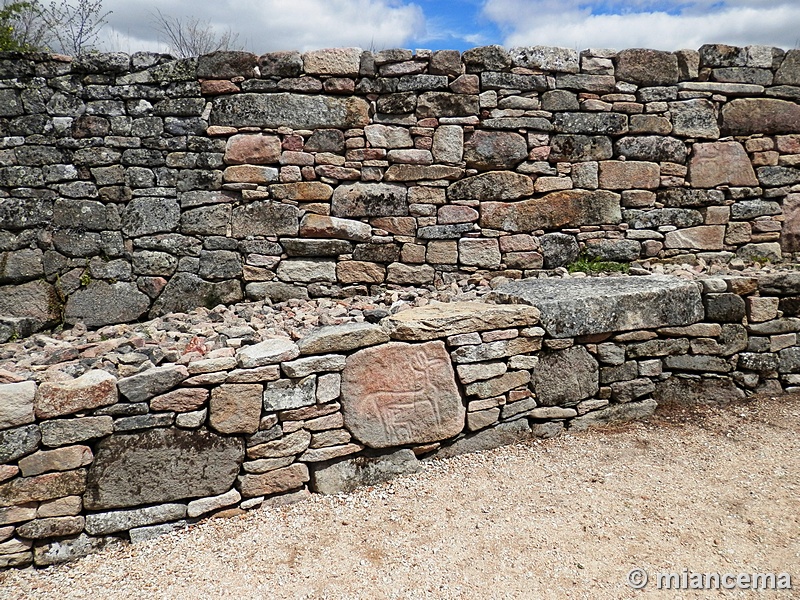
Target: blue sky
[[268, 25]]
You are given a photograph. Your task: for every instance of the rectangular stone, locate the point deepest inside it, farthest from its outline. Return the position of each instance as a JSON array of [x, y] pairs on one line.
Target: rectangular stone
[[124, 520], [302, 367], [571, 307], [62, 459], [696, 330], [494, 350], [457, 318], [704, 237], [42, 487], [296, 111], [256, 375], [700, 363], [62, 432], [273, 482], [286, 394], [498, 385], [16, 403]]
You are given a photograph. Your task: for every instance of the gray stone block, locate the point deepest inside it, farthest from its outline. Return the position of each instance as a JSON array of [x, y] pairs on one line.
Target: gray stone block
[[587, 306], [347, 475], [161, 465]]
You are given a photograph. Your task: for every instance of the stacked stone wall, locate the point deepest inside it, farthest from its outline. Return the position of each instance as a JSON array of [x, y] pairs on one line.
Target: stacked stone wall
[[94, 460], [131, 186]]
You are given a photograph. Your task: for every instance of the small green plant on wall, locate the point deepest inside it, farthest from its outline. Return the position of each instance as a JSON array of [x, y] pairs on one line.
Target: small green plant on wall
[[585, 264]]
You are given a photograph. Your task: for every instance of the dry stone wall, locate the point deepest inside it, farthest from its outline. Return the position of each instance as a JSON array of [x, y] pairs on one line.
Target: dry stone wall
[[95, 460], [138, 185]]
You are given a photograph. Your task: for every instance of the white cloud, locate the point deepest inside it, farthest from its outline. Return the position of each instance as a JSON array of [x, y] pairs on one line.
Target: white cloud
[[644, 23], [268, 25]]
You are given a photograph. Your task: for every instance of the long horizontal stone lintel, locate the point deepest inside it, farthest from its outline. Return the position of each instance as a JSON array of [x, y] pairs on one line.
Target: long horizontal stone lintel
[[437, 321], [571, 307], [290, 110]]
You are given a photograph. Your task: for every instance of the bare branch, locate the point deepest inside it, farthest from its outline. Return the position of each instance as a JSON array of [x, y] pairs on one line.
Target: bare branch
[[75, 24], [193, 37]]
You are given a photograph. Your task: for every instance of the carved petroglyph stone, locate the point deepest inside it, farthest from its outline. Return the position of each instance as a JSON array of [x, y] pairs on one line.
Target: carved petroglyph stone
[[399, 394]]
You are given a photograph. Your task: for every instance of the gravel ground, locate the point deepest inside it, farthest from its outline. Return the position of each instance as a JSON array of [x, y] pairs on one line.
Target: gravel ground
[[711, 489]]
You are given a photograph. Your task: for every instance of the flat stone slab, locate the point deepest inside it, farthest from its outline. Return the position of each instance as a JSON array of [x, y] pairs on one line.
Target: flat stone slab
[[290, 110], [161, 465], [442, 320], [397, 394], [591, 305], [348, 474]]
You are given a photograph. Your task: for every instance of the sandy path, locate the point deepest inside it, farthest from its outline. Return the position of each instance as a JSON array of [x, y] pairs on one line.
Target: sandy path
[[711, 491]]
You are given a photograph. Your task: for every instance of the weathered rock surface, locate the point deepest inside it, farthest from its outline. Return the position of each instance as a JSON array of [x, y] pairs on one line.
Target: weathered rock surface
[[16, 403], [747, 116], [36, 300], [494, 437], [681, 391], [18, 442], [495, 185], [721, 163], [342, 338], [186, 291], [61, 459], [289, 110], [42, 487], [66, 550], [351, 473], [286, 394], [161, 465], [599, 305], [91, 390], [124, 520], [489, 150], [571, 208], [235, 408], [152, 382], [566, 377], [101, 303], [647, 67], [369, 199], [400, 393], [438, 321], [268, 352], [206, 505], [61, 432], [273, 482], [619, 412]]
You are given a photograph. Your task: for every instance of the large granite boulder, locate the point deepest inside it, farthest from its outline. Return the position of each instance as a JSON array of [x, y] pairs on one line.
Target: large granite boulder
[[721, 163], [91, 390], [102, 303], [36, 300], [186, 291], [748, 116], [571, 307]]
